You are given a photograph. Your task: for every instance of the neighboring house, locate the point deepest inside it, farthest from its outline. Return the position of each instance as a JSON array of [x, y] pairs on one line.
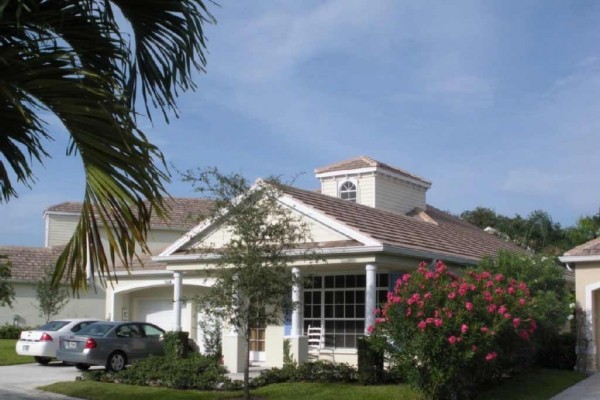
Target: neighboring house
[[585, 261], [370, 223], [30, 263]]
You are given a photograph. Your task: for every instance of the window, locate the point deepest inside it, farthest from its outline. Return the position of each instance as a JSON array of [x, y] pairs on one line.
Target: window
[[348, 191], [337, 302], [151, 330]]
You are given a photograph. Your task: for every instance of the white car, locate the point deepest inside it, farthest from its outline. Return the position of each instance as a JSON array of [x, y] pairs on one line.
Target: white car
[[42, 342]]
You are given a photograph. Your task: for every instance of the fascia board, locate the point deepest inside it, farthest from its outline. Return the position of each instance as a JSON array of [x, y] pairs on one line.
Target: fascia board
[[359, 171], [578, 259], [204, 226], [328, 221]]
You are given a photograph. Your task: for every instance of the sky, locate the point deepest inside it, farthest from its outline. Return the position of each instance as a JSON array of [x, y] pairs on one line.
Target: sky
[[496, 102]]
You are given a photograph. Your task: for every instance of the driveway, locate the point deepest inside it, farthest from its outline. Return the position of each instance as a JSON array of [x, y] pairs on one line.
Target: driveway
[[18, 382]]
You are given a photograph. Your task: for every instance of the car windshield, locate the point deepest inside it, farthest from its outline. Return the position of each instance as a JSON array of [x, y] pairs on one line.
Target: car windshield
[[52, 326], [97, 329]]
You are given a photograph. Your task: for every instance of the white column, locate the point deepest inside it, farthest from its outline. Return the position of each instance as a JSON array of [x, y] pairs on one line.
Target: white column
[[370, 296], [296, 299], [177, 284]]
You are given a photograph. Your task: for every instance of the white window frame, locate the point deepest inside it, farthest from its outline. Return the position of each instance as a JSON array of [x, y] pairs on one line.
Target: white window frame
[[344, 181]]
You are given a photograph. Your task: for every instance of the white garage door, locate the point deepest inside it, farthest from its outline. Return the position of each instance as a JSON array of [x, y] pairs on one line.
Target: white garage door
[[160, 312]]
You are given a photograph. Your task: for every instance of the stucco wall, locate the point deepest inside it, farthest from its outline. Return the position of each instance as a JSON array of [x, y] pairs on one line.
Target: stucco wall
[[25, 306], [587, 287]]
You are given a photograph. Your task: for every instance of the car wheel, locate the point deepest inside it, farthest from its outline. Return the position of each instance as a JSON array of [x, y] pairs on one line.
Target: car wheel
[[42, 360], [82, 367], [116, 361]]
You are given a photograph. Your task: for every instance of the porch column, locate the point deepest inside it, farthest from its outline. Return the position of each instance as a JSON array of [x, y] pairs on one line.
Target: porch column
[[370, 296], [177, 284], [296, 299]]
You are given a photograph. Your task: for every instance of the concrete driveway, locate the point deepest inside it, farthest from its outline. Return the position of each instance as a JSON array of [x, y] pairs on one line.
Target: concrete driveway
[[18, 382]]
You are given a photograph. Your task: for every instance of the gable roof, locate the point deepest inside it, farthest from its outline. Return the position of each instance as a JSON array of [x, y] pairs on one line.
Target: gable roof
[[591, 248], [185, 212], [367, 162], [451, 236]]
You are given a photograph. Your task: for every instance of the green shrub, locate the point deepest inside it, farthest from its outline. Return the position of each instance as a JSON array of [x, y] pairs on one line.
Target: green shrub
[[176, 344], [370, 361], [196, 372], [317, 371], [10, 331], [558, 351]]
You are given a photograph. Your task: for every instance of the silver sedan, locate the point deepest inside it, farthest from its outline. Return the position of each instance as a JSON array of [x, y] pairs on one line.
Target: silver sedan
[[112, 344]]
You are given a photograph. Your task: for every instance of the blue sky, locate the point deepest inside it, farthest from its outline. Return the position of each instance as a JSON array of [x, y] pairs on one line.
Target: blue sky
[[497, 103]]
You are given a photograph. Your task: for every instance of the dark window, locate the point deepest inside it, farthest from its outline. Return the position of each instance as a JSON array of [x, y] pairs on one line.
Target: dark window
[[348, 191]]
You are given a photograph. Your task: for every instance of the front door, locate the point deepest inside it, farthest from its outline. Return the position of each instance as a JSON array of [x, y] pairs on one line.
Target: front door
[[257, 344]]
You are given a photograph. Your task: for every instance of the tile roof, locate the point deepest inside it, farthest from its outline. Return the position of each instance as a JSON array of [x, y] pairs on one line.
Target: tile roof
[[366, 162], [591, 248], [185, 212], [451, 236], [30, 263]]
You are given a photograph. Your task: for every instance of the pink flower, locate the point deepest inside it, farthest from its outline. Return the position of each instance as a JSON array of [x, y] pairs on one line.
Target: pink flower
[[522, 301], [464, 328], [408, 312], [532, 326], [376, 311], [440, 267], [427, 296], [486, 275], [437, 322], [429, 275], [499, 291], [522, 286], [488, 296], [489, 284], [524, 335], [452, 340], [490, 356], [492, 308], [451, 295], [371, 329], [499, 277], [484, 329], [506, 316], [469, 305], [502, 310], [516, 322], [405, 278], [511, 290], [422, 325], [380, 320]]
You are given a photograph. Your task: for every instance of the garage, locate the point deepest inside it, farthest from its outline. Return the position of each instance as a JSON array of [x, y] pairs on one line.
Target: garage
[[160, 312]]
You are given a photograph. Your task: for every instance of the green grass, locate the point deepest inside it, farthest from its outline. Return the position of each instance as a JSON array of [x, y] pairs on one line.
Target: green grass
[[8, 355], [535, 385], [539, 384]]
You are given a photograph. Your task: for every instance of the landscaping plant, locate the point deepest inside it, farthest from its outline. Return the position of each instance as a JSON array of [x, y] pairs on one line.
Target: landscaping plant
[[449, 334]]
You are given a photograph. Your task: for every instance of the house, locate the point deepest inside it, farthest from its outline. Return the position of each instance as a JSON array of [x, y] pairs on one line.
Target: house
[[584, 260], [370, 223], [29, 264]]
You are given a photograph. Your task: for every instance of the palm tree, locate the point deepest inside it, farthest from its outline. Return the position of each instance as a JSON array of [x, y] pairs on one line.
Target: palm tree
[[87, 62]]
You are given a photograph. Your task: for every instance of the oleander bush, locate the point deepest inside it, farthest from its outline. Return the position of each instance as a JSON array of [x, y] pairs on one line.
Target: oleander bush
[[450, 334]]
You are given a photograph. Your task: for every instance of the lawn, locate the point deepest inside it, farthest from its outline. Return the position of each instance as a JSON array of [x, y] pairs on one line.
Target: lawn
[[8, 355], [535, 385]]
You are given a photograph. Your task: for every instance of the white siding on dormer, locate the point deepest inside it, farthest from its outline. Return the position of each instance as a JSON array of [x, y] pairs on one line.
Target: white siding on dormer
[[398, 196], [329, 186], [60, 228], [365, 186]]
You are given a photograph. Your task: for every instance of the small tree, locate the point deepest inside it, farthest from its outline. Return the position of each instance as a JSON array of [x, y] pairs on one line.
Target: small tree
[[51, 298], [7, 292], [253, 280]]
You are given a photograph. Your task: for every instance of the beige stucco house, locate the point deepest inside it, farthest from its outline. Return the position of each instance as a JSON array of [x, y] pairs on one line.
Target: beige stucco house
[[584, 260], [370, 223]]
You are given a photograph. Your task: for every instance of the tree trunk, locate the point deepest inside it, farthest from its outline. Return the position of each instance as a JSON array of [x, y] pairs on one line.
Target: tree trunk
[[247, 367]]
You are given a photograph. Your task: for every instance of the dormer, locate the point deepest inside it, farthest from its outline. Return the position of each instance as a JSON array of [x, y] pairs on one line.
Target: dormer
[[375, 184]]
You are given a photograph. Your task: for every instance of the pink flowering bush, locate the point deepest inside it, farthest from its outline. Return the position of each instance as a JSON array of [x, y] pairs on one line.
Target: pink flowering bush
[[450, 334]]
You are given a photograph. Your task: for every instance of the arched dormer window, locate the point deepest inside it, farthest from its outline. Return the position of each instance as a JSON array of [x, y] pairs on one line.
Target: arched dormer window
[[348, 191]]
